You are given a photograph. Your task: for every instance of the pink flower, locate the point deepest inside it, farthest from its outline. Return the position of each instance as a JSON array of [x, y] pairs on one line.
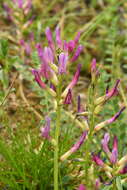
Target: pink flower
[[81, 187]]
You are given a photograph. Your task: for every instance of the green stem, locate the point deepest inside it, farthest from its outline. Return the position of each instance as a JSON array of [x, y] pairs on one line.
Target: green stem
[[90, 135], [57, 133]]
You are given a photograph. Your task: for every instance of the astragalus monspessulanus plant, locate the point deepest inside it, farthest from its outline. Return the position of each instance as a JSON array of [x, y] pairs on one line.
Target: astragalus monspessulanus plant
[[54, 68]]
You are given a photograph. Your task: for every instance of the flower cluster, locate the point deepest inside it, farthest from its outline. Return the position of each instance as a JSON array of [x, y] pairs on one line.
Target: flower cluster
[[113, 166], [54, 67]]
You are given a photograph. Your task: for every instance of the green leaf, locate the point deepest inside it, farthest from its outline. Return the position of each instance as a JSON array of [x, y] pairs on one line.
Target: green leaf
[[106, 188], [3, 48], [118, 183]]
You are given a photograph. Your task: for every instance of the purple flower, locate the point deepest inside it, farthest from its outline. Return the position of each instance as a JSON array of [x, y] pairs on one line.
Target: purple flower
[[94, 69], [71, 45], [105, 142], [113, 91], [68, 98], [114, 153], [48, 55], [93, 66], [40, 50], [63, 58], [77, 53], [116, 116], [123, 170], [46, 129], [75, 78], [81, 187], [76, 40], [38, 78], [77, 145], [58, 38], [45, 70], [65, 46], [97, 160], [20, 3], [109, 121], [49, 38], [73, 82]]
